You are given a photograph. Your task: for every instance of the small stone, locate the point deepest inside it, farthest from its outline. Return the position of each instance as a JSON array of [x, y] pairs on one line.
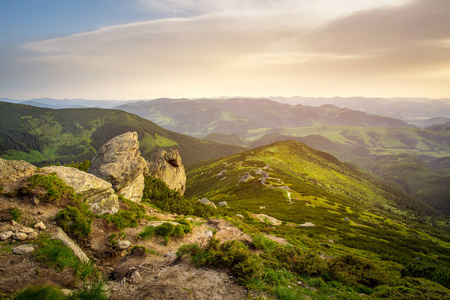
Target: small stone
[[23, 249], [26, 230], [136, 277], [123, 245], [5, 235], [40, 226], [330, 241], [19, 236], [170, 255], [223, 203], [66, 292], [14, 223], [32, 235], [209, 233], [240, 216], [346, 219]]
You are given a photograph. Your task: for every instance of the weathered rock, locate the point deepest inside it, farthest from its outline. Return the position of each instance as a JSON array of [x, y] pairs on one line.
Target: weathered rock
[[26, 230], [207, 202], [40, 226], [209, 233], [63, 237], [346, 219], [168, 167], [307, 224], [119, 162], [122, 245], [5, 235], [13, 173], [223, 203], [20, 236], [97, 193], [136, 277], [32, 235], [23, 249], [239, 216], [268, 219]]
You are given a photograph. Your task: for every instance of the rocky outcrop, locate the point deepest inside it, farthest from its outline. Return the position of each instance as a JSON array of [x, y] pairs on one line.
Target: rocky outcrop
[[96, 192], [119, 162], [207, 202], [13, 173], [168, 167]]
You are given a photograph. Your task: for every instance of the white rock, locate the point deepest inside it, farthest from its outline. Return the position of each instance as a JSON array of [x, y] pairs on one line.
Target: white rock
[[209, 233], [23, 249], [26, 230], [19, 236], [123, 245], [223, 203], [32, 235], [136, 277], [40, 226], [5, 235]]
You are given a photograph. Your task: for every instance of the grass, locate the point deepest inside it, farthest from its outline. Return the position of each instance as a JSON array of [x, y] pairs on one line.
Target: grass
[[54, 253]]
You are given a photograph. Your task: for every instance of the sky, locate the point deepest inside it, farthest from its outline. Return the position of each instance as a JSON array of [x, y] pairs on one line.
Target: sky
[[146, 49]]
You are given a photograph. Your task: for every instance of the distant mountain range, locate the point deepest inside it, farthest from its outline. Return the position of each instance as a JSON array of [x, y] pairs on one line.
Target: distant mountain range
[[43, 136], [416, 111], [201, 117]]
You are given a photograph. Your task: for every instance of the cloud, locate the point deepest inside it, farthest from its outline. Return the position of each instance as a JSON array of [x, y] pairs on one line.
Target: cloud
[[272, 51]]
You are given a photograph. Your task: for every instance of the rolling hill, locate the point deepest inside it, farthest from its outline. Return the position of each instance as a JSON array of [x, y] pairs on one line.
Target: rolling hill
[[201, 117], [42, 136], [321, 204]]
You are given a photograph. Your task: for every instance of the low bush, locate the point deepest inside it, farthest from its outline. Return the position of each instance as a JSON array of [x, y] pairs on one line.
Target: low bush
[[232, 255], [157, 192], [418, 268], [75, 221], [48, 188], [352, 270], [93, 291], [149, 232], [39, 292], [16, 214], [126, 218]]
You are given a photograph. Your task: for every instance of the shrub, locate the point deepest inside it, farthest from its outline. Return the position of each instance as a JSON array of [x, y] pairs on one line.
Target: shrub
[[426, 270], [264, 243], [232, 255], [157, 192], [75, 221], [126, 218], [16, 214], [94, 291], [149, 232], [165, 230], [82, 166], [122, 219], [39, 292], [351, 270], [49, 188]]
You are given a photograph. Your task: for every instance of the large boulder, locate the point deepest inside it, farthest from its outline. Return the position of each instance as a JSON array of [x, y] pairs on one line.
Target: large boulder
[[119, 162], [98, 193], [168, 167], [13, 173]]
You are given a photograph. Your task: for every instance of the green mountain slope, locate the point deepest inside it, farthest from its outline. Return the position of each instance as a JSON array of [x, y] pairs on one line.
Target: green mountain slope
[[324, 205], [204, 116], [314, 178], [40, 135]]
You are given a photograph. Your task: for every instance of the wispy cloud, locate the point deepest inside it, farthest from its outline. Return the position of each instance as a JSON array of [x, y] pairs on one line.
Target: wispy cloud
[[274, 51]]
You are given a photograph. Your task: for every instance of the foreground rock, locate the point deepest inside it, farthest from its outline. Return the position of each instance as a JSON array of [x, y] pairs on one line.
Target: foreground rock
[[168, 167], [13, 173], [98, 193], [119, 162]]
